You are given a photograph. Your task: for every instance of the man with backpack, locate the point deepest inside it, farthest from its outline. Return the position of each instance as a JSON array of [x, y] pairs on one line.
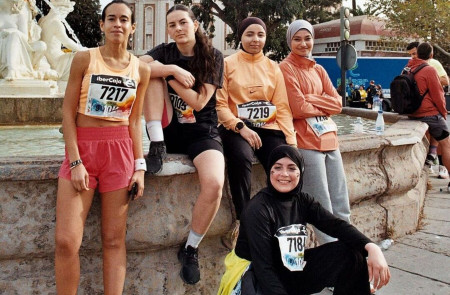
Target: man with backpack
[[432, 110], [432, 157]]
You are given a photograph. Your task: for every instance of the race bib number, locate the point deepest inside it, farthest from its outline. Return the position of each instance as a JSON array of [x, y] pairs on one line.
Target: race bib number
[[185, 114], [292, 241], [258, 113], [321, 124], [110, 96]]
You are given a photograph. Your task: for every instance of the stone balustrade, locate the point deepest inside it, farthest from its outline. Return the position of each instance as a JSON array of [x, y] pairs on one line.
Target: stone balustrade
[[387, 185]]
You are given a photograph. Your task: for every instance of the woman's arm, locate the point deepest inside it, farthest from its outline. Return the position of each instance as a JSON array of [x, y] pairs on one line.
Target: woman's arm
[[196, 100], [379, 273], [160, 70], [284, 115], [80, 63], [304, 105], [135, 126], [224, 113]]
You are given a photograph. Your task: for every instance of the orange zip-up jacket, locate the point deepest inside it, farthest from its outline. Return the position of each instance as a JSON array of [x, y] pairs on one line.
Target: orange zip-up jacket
[[249, 77], [310, 94]]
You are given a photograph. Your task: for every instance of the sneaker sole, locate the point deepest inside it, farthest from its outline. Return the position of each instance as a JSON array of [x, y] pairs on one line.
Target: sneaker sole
[[184, 280]]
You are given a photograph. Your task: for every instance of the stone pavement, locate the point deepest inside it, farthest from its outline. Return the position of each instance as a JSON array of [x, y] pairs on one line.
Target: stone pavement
[[420, 262]]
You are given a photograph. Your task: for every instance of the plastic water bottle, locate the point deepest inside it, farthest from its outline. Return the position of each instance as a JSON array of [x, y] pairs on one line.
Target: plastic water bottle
[[376, 106], [358, 125], [379, 123], [385, 244]]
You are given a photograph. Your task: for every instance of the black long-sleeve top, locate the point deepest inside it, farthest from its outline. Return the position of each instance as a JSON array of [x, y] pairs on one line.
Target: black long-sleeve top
[[269, 211]]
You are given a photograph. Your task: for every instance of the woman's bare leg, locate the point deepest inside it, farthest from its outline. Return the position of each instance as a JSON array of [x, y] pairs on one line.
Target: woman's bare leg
[[114, 224], [72, 208]]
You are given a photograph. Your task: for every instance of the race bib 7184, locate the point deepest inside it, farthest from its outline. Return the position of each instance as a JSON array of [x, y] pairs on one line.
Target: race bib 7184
[[292, 241]]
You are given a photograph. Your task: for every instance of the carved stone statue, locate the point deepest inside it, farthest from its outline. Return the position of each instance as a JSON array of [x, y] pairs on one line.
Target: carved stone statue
[[54, 35], [20, 48]]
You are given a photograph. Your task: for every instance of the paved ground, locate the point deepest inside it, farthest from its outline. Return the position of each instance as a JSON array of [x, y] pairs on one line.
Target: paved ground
[[420, 263]]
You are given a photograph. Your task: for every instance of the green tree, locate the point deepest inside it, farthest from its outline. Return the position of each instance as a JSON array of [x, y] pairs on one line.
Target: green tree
[[426, 20], [84, 20], [276, 14]]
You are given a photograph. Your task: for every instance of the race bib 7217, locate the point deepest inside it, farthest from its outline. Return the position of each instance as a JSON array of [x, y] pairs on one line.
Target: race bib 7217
[[110, 96]]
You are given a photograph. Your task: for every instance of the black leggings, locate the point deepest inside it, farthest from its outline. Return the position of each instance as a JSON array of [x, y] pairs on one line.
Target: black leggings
[[330, 265], [239, 155]]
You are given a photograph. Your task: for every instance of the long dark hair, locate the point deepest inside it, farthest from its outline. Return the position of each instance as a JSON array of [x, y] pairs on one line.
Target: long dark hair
[[203, 63], [118, 2]]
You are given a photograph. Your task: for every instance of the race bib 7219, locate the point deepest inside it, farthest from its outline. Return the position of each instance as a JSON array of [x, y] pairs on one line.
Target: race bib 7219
[[258, 113]]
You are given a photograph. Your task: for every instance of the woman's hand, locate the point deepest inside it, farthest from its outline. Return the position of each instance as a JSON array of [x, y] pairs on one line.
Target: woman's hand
[[379, 273], [80, 178], [138, 177], [251, 137], [184, 77]]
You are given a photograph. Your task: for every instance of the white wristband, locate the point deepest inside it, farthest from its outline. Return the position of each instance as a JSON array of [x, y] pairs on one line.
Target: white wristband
[[139, 164]]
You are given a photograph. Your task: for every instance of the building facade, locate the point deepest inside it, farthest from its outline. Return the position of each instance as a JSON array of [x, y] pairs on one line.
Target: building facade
[[368, 35]]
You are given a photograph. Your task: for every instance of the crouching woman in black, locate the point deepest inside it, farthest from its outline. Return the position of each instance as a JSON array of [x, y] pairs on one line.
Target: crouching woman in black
[[270, 256]]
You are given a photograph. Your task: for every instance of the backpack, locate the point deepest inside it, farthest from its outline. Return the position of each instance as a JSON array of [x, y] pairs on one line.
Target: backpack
[[405, 95]]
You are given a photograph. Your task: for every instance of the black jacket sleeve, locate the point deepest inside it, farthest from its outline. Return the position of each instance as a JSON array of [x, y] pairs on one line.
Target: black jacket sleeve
[[333, 226]]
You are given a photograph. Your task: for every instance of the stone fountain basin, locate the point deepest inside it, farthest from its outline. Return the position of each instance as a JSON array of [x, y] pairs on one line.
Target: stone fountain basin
[[386, 179]]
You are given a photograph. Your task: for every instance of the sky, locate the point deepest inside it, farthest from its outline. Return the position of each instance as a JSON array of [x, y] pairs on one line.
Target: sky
[[347, 3]]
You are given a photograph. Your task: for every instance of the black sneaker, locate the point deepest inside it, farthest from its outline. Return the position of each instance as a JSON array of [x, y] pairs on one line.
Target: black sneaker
[[190, 272], [155, 157], [431, 160]]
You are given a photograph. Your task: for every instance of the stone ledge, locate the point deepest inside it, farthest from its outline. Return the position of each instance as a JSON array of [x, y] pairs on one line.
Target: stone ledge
[[30, 110]]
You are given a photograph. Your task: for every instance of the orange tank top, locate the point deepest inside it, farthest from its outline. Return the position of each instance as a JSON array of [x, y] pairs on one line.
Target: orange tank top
[[108, 93]]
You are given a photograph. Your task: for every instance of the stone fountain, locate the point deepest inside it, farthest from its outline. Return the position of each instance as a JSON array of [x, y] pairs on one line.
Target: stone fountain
[[33, 68], [386, 179]]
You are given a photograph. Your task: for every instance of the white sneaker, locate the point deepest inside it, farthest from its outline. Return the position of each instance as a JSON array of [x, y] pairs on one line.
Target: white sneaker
[[443, 173]]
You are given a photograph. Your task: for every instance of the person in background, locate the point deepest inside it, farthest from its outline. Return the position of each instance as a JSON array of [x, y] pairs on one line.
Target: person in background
[[432, 157], [253, 111], [379, 91], [270, 255], [313, 100], [363, 94], [186, 101], [433, 110], [371, 92], [103, 139]]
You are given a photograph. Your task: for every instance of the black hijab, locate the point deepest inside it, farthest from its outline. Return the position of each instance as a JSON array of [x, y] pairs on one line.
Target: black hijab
[[292, 153]]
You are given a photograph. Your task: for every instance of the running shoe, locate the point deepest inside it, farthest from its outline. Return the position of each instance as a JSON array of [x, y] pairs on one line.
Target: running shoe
[[190, 272], [443, 173], [432, 160], [155, 157]]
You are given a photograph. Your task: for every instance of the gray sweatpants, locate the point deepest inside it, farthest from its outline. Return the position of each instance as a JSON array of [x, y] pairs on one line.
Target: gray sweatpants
[[324, 179]]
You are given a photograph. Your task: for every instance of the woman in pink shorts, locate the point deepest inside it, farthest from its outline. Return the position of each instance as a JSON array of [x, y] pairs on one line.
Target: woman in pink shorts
[[102, 131]]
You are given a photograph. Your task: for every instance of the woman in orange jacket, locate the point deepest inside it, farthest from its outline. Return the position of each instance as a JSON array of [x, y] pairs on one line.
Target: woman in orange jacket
[[252, 108]]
